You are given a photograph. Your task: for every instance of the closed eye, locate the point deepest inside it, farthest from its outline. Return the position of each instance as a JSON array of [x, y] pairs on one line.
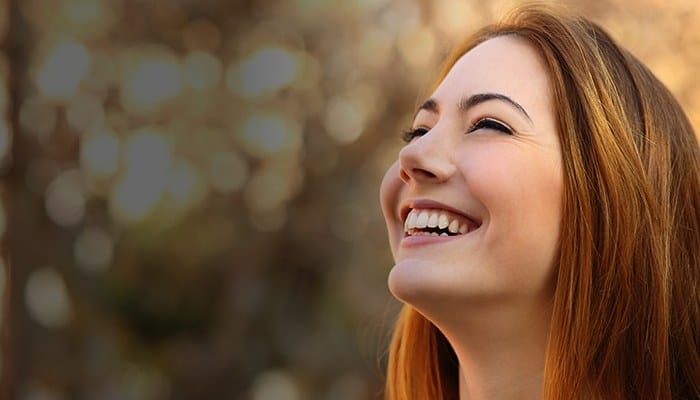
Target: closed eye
[[410, 134], [490, 123]]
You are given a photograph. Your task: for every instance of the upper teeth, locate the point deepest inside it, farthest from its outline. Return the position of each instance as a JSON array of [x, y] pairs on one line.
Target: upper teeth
[[418, 219]]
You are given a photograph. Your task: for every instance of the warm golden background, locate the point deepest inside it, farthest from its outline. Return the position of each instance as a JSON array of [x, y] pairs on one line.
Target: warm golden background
[[191, 186]]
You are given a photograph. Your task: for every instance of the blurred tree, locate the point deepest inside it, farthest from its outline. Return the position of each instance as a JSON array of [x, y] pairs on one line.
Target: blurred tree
[[15, 198]]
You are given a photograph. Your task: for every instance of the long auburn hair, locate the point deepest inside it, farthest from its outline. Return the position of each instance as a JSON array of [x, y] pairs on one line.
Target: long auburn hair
[[626, 308]]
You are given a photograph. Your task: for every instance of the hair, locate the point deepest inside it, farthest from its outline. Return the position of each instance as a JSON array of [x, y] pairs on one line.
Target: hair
[[626, 307]]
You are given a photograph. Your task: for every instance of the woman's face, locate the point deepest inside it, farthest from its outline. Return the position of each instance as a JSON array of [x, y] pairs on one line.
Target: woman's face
[[473, 204]]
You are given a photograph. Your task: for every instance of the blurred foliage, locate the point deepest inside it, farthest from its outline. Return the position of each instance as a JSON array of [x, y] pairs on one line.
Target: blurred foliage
[[192, 185]]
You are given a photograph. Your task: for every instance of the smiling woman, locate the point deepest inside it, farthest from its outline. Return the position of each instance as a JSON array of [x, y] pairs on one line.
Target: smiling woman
[[543, 219]]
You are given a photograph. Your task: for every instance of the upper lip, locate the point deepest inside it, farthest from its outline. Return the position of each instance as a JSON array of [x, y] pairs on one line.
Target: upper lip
[[409, 205]]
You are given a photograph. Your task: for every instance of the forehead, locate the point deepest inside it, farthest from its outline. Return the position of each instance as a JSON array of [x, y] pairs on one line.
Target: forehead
[[506, 64]]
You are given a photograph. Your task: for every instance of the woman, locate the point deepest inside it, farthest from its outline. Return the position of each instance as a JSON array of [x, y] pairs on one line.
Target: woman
[[543, 217]]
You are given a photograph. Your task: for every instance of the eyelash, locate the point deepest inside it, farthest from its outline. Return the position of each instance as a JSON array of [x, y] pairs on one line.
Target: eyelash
[[410, 134], [483, 123]]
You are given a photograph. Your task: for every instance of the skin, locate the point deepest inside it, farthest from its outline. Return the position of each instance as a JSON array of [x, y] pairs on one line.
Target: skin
[[488, 291]]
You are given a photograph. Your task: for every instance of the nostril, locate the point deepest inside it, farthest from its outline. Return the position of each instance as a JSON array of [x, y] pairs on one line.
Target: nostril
[[416, 173], [419, 173], [404, 176], [425, 173]]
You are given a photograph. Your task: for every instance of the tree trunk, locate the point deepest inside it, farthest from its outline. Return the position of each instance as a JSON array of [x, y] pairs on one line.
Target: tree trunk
[[18, 243]]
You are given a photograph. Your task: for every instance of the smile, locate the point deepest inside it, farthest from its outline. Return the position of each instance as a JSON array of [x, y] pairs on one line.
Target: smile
[[434, 222]]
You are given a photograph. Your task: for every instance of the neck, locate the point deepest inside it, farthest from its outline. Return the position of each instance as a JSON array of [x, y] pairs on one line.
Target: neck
[[501, 353]]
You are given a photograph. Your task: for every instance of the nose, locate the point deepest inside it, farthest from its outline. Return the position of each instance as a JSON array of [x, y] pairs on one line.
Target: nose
[[427, 159]]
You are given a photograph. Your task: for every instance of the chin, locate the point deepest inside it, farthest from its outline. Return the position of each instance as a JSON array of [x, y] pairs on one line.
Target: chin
[[443, 288], [406, 282], [420, 284]]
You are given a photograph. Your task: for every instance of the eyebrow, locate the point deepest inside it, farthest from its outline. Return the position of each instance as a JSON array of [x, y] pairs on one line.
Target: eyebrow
[[471, 101]]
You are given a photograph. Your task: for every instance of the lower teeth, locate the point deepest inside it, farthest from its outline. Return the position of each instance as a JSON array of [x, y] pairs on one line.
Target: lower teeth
[[421, 233]]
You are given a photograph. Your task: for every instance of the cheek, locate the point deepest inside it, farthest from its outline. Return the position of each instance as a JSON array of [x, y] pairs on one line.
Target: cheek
[[521, 186], [389, 194], [521, 194]]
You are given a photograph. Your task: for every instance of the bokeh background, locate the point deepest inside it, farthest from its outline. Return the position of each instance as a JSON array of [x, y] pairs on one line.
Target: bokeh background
[[189, 196]]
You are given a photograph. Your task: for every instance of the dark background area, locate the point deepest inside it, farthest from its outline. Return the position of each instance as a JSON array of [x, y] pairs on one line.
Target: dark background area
[[190, 188]]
